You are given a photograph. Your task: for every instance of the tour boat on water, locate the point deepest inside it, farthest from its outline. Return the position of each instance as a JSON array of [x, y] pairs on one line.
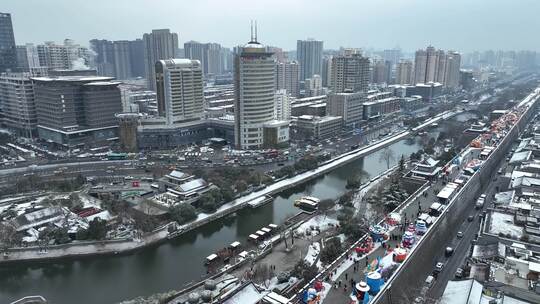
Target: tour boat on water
[[307, 202]]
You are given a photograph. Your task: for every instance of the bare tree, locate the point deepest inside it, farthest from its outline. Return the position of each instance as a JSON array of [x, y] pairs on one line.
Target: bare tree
[[387, 156], [325, 205], [8, 236], [262, 273], [362, 175]]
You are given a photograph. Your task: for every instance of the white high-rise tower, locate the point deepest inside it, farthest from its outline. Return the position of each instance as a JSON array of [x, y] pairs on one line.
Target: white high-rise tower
[[179, 86], [254, 83]]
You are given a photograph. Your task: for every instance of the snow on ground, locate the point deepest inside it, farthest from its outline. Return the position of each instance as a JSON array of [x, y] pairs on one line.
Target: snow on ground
[[504, 223], [325, 291], [322, 222], [248, 294], [358, 199], [21, 207], [52, 197], [304, 176], [312, 253], [89, 201], [273, 283], [350, 261]]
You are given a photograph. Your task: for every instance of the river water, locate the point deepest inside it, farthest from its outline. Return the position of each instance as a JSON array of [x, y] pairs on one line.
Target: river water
[[170, 265]]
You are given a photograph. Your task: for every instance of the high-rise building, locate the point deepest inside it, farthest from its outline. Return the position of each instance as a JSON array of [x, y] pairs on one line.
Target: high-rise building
[[466, 80], [136, 55], [122, 59], [195, 50], [404, 72], [437, 66], [432, 65], [287, 74], [8, 52], [429, 65], [350, 72], [179, 86], [104, 50], [313, 86], [279, 54], [17, 104], [213, 63], [283, 105], [113, 58], [441, 67], [159, 45], [309, 54], [381, 72], [327, 71], [452, 67], [27, 57], [22, 59], [67, 56], [254, 83], [420, 63], [392, 55], [347, 105], [227, 59], [53, 56], [209, 54], [77, 110]]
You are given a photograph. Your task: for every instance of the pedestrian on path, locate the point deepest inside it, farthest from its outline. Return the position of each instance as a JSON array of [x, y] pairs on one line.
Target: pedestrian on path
[[346, 275], [339, 283]]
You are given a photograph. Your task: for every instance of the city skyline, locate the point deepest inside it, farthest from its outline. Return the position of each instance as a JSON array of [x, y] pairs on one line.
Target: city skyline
[[465, 27]]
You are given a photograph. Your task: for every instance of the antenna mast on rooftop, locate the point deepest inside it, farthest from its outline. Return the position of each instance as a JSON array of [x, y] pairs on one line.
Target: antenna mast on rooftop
[[255, 31], [251, 27]]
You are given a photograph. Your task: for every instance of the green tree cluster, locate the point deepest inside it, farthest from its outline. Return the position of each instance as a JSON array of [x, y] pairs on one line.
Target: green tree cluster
[[304, 271], [350, 225], [332, 249], [97, 230], [183, 213]]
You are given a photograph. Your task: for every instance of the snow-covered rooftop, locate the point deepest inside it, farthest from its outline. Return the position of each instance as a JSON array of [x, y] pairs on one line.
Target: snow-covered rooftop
[[192, 185], [504, 223], [520, 157], [248, 294], [462, 292]]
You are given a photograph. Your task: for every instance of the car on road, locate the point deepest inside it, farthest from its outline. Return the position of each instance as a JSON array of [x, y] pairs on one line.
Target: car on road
[[418, 300], [480, 202], [459, 234], [429, 281], [438, 268], [470, 218], [448, 251], [500, 171], [459, 273]]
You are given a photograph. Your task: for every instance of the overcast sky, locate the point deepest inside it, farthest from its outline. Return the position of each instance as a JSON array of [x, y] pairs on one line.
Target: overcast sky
[[462, 25]]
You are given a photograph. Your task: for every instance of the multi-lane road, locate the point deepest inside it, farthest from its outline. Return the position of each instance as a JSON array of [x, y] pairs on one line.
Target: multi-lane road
[[471, 229]]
